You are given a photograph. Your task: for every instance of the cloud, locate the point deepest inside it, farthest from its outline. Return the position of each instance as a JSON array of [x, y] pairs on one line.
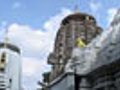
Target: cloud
[[94, 6], [35, 46], [32, 65], [54, 22], [4, 23], [16, 5], [111, 13], [3, 26], [31, 41]]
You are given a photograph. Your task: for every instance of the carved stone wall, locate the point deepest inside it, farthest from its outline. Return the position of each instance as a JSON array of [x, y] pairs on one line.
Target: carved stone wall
[[74, 26]]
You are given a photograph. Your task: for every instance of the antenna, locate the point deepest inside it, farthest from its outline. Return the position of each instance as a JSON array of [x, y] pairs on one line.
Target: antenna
[[6, 38]]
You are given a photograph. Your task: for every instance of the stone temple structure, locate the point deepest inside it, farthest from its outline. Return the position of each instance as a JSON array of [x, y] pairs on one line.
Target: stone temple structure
[[77, 25], [10, 67], [95, 67]]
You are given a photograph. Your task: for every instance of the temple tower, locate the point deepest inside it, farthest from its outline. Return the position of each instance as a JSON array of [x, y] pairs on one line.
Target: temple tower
[[73, 27]]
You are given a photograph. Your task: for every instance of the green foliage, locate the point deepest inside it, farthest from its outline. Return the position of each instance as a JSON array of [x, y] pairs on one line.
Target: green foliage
[[46, 77]]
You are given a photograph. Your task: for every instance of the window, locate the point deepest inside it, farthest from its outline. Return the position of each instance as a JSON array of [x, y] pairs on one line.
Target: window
[[60, 56], [60, 44], [2, 88], [2, 62]]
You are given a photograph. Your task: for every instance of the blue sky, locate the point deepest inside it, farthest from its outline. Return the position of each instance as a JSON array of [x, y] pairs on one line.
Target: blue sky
[[35, 12], [32, 26]]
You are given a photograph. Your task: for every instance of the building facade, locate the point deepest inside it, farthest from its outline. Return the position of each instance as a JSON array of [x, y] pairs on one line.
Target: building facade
[[73, 27], [10, 67], [95, 67]]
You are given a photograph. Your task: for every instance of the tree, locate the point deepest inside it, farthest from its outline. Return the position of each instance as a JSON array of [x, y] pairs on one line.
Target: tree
[[46, 77]]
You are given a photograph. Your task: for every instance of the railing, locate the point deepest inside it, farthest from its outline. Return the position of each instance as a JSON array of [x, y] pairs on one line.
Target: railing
[[3, 81]]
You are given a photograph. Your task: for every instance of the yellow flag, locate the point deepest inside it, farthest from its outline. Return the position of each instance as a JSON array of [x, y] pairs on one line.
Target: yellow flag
[[80, 43]]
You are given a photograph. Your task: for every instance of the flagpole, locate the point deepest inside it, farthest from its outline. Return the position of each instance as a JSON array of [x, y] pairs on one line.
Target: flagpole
[[6, 38]]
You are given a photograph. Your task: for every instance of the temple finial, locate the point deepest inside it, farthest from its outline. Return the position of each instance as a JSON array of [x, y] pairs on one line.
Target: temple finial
[[76, 9], [6, 38]]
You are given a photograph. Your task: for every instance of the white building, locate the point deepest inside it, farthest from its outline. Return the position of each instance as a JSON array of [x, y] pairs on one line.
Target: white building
[[10, 67]]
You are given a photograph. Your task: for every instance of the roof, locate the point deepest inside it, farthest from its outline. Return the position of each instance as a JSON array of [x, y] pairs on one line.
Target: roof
[[11, 47], [77, 17]]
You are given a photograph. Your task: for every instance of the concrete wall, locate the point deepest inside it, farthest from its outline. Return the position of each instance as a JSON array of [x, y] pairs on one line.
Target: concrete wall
[[64, 83], [12, 73]]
